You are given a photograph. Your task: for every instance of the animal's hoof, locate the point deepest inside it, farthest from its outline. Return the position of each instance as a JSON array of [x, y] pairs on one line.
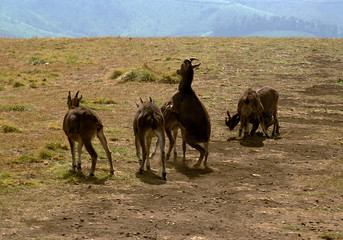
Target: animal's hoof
[[91, 174], [112, 172], [72, 169], [79, 168], [148, 168], [196, 165], [164, 176], [141, 171]]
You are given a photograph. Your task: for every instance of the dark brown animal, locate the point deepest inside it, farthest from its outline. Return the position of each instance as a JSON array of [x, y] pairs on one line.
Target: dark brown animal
[[81, 125], [147, 123], [191, 113], [269, 100]]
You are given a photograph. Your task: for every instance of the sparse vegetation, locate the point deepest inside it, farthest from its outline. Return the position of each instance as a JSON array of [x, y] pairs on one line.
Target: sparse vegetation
[[10, 129], [280, 188]]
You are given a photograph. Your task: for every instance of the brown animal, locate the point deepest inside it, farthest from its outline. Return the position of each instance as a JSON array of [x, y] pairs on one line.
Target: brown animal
[[191, 113], [147, 123], [171, 127], [269, 98], [81, 125]]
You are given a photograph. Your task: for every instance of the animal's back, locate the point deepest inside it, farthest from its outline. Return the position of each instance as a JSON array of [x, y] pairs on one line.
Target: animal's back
[[269, 97], [149, 115], [194, 117], [81, 119]]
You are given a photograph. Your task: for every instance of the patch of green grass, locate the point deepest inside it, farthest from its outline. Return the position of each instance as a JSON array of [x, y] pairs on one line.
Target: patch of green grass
[[139, 75], [10, 129], [104, 101], [2, 88], [340, 81], [45, 154], [36, 60], [332, 236], [116, 73], [15, 108], [293, 228], [28, 158], [18, 84]]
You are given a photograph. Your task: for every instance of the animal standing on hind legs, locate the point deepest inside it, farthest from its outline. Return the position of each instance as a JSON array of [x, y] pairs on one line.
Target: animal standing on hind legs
[[81, 125], [191, 112], [147, 123]]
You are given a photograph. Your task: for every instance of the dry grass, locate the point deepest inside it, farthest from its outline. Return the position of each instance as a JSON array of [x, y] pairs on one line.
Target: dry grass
[[36, 75]]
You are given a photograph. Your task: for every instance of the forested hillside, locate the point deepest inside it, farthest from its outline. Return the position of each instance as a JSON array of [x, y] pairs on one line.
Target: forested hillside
[[153, 18]]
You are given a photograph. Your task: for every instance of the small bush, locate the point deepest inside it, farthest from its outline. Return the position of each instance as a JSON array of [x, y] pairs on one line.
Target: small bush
[[116, 73], [28, 158], [36, 61], [18, 84], [45, 154], [10, 129]]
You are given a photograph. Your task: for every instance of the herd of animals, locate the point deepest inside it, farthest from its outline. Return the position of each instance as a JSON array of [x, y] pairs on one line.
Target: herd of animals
[[183, 111]]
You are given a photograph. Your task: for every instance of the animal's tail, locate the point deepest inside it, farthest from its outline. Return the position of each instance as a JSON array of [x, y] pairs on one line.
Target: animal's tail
[[152, 121]]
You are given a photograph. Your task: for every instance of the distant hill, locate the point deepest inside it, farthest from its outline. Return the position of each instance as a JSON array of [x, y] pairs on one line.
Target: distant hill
[[156, 18]]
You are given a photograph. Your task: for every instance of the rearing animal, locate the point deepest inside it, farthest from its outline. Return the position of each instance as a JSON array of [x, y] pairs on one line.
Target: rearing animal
[[81, 125], [191, 112]]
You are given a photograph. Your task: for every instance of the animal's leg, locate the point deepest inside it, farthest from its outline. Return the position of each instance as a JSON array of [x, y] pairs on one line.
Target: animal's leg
[[148, 144], [171, 142], [244, 127], [72, 149], [138, 150], [276, 125], [175, 131], [206, 144], [161, 139], [254, 127], [155, 150], [79, 152], [183, 133], [94, 155], [103, 141], [144, 152], [263, 127], [201, 150]]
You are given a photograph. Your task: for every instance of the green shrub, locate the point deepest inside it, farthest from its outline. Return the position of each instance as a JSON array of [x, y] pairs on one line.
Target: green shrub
[[10, 129]]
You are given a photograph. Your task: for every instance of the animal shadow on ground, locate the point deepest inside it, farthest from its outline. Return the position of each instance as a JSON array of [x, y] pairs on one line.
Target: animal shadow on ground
[[250, 141], [190, 172], [150, 177], [79, 177]]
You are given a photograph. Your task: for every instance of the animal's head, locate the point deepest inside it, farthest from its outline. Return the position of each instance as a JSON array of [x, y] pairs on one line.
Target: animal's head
[[187, 67], [75, 101], [233, 121], [142, 102]]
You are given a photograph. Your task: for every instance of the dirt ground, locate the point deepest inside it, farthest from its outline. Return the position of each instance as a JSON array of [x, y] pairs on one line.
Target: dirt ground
[[288, 187]]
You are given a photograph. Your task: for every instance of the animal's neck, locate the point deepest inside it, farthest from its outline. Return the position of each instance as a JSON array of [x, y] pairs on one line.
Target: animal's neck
[[186, 82]]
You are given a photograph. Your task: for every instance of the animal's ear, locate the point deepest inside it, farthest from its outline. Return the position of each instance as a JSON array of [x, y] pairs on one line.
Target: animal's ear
[[150, 99], [228, 114], [80, 99], [141, 100], [77, 94], [137, 104]]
